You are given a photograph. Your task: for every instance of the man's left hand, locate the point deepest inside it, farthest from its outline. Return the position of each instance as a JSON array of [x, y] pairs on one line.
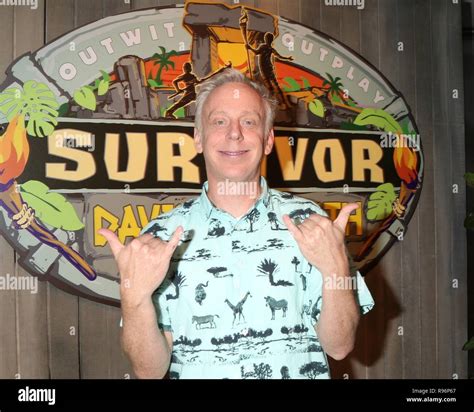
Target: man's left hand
[[321, 241]]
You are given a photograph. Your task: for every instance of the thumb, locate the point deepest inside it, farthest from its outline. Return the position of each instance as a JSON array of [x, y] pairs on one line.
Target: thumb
[[112, 238], [344, 214], [174, 240]]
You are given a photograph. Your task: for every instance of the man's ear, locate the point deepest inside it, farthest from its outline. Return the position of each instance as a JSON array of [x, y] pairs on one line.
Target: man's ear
[[197, 141], [270, 141]]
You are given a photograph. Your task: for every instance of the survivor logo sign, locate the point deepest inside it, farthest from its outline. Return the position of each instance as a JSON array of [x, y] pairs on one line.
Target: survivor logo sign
[[98, 132]]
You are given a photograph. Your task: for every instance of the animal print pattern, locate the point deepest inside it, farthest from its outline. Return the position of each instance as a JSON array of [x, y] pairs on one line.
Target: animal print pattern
[[239, 298]]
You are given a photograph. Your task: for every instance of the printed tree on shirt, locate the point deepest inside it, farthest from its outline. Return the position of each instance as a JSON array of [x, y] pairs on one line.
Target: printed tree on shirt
[[269, 267], [184, 341], [299, 329], [272, 218], [216, 271], [313, 369], [261, 371], [252, 217], [178, 280], [295, 262]]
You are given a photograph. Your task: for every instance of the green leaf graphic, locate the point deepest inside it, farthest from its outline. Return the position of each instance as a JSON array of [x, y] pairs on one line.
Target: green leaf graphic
[[316, 107], [153, 83], [36, 102], [469, 345], [63, 109], [378, 118], [105, 76], [293, 85], [50, 207], [103, 87], [306, 84], [380, 202], [85, 97], [469, 179]]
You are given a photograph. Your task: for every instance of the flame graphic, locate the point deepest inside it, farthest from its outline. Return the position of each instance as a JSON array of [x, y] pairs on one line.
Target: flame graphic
[[14, 150], [406, 161]]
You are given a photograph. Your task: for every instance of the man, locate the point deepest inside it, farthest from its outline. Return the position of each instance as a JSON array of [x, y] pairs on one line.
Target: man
[[245, 292]]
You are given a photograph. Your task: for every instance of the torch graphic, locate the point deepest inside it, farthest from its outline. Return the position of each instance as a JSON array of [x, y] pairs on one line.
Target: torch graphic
[[406, 161], [37, 103]]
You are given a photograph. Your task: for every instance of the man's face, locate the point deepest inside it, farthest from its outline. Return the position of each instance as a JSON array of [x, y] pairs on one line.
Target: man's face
[[234, 140]]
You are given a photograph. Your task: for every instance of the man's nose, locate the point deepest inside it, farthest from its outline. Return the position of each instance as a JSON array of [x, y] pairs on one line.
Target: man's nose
[[235, 131]]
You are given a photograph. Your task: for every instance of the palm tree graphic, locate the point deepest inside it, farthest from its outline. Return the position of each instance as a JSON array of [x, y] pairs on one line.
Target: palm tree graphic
[[269, 267], [163, 61], [335, 86]]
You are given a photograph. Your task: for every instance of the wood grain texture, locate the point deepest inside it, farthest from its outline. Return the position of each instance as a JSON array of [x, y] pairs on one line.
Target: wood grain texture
[[426, 216], [410, 276], [458, 241], [419, 323], [374, 321], [32, 320], [63, 330], [8, 354], [392, 261]]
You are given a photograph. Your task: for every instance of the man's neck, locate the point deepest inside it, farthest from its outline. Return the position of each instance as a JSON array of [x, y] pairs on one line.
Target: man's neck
[[235, 198]]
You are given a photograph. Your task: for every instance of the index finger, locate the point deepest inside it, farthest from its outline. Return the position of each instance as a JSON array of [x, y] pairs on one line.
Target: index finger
[[174, 240], [293, 229]]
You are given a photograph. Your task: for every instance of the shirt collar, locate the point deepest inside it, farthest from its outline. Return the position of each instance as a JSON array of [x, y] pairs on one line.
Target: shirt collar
[[208, 209]]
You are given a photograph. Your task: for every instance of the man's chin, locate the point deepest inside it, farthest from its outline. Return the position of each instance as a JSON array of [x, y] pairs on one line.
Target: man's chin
[[235, 176]]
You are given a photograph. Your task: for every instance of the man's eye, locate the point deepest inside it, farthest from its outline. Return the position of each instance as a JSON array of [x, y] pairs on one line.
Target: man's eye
[[249, 122], [219, 122]]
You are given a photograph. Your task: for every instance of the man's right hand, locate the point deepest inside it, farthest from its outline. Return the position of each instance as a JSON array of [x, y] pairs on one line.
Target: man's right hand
[[142, 264]]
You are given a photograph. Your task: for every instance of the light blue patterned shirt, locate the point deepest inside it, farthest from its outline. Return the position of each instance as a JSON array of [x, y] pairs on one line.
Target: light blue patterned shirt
[[239, 298]]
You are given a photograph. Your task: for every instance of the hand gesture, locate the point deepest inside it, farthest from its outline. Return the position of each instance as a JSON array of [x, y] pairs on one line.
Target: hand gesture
[[142, 264], [321, 241]]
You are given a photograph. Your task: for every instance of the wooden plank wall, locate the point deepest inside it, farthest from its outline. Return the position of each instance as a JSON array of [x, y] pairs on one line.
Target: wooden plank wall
[[420, 321], [468, 55]]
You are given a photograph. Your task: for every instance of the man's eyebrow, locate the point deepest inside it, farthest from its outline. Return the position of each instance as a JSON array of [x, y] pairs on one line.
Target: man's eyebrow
[[216, 112], [252, 112], [245, 112]]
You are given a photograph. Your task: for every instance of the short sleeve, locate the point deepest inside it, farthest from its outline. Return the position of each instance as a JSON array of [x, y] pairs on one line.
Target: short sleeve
[[363, 295], [157, 227], [161, 306]]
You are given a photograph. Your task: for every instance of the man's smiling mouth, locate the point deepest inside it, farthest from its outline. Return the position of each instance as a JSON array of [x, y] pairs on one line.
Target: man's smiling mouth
[[233, 153]]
